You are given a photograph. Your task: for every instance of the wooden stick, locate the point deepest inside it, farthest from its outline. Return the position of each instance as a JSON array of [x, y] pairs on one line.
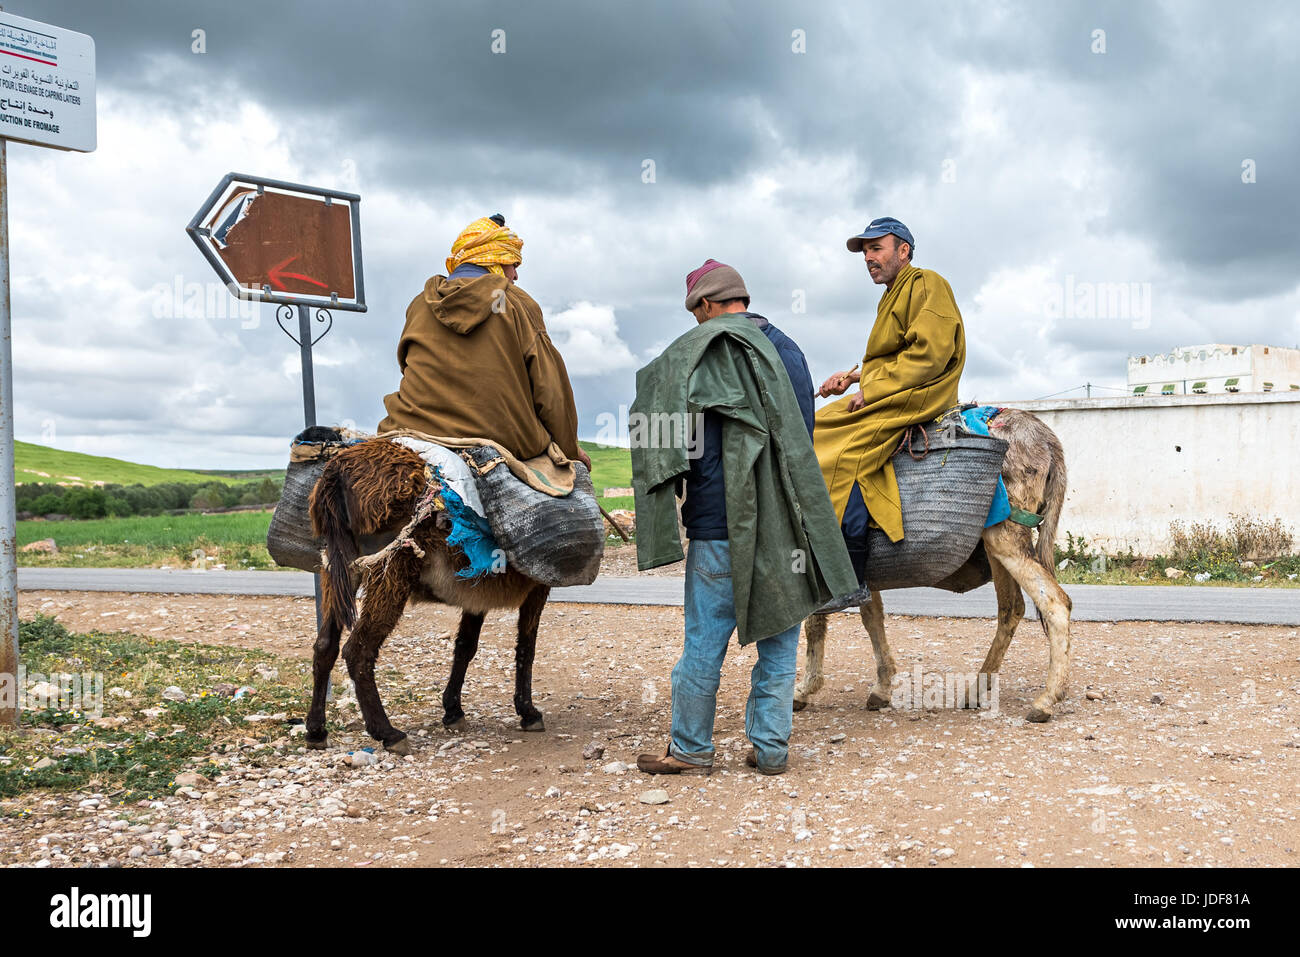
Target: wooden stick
[[617, 527]]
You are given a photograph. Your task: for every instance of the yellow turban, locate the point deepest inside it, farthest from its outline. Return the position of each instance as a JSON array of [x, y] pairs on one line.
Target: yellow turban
[[484, 243]]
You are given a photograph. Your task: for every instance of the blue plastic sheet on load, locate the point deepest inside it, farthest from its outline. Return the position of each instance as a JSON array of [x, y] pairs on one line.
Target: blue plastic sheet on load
[[977, 421], [471, 534]]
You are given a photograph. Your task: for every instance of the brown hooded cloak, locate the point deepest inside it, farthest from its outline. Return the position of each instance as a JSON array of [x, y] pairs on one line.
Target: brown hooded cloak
[[476, 361]]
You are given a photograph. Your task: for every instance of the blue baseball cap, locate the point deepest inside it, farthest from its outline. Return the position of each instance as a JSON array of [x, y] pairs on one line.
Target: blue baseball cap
[[884, 226]]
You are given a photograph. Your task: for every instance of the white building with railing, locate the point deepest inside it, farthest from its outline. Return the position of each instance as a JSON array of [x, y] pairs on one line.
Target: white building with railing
[[1215, 368]]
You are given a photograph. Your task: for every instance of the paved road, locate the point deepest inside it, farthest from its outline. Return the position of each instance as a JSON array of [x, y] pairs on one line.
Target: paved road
[[1256, 606]]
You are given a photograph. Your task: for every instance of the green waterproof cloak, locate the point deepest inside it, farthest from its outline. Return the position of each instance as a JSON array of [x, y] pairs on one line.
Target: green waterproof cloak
[[787, 554]]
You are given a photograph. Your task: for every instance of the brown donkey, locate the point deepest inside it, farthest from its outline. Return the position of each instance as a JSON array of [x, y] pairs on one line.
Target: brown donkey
[[1034, 473], [365, 496]]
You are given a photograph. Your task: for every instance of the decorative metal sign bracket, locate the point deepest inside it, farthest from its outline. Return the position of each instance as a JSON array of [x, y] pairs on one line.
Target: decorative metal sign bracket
[[284, 313]]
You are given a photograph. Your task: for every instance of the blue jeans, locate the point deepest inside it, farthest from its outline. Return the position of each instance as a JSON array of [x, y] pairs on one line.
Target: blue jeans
[[710, 621]]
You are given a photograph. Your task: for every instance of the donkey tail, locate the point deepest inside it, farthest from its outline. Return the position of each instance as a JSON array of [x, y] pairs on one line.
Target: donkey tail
[[329, 520], [1053, 501]]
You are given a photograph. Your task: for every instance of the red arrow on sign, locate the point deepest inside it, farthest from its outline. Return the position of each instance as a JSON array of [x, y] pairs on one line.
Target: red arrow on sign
[[276, 275]]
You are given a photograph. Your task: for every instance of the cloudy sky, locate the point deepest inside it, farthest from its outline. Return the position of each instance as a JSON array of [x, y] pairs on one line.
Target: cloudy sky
[[1029, 153]]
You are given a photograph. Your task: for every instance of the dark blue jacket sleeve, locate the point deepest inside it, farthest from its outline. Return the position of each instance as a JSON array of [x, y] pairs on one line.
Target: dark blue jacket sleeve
[[796, 366]]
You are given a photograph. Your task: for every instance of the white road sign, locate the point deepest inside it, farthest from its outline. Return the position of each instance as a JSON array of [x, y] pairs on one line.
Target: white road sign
[[47, 85]]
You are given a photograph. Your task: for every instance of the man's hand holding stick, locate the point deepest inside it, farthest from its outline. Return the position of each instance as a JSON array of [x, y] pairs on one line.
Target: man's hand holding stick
[[839, 382]]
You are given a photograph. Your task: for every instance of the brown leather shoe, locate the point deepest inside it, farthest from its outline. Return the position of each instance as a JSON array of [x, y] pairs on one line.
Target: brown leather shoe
[[752, 761], [652, 764]]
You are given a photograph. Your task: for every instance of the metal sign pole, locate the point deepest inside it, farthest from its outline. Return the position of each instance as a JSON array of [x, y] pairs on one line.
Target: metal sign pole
[[308, 410], [8, 523], [73, 71], [308, 376]]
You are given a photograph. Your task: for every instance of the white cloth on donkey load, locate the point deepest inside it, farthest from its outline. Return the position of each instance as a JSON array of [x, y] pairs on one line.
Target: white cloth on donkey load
[[455, 472]]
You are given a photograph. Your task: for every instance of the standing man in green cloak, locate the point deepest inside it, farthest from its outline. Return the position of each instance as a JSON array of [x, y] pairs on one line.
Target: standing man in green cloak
[[765, 550]]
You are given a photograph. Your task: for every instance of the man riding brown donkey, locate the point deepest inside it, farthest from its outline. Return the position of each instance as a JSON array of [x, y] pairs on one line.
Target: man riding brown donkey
[[476, 364]]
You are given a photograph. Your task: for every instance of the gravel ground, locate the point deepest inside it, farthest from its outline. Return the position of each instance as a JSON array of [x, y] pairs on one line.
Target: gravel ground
[[1185, 753]]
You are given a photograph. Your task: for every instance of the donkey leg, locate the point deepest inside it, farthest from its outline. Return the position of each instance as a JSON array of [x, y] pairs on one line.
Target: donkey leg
[[386, 592], [324, 653], [453, 716], [873, 616], [1011, 610], [1054, 607], [815, 640], [530, 616]]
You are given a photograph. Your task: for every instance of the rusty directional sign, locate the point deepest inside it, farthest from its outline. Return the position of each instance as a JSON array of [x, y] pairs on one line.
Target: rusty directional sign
[[279, 242]]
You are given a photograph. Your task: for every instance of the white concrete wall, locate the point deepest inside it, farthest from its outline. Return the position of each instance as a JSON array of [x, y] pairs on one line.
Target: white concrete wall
[[1137, 464]]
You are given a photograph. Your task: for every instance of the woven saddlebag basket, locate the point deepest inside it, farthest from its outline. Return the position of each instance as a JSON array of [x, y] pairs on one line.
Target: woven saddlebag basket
[[289, 539], [553, 540], [945, 493]]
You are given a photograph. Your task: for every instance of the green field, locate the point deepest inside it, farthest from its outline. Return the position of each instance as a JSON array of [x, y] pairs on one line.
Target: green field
[[610, 467], [38, 463], [165, 531], [235, 539]]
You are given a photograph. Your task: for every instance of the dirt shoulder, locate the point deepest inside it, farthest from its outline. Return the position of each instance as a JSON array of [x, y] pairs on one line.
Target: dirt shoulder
[[1188, 756]]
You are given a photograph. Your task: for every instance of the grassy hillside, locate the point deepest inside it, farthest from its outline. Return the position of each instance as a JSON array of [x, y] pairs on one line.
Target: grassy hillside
[[38, 463]]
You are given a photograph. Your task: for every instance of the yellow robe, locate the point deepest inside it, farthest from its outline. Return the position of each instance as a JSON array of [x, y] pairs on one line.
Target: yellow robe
[[910, 371]]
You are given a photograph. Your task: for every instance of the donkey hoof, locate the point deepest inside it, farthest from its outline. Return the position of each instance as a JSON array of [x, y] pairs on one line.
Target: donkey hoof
[[402, 746], [456, 724], [533, 724], [800, 704], [316, 744], [1038, 715], [877, 701]]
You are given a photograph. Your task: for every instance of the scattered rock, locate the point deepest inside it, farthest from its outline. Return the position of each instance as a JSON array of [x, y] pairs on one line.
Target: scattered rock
[[593, 751], [43, 693], [361, 759], [615, 767], [837, 738], [1172, 572], [1094, 696], [1157, 698], [225, 690], [44, 545], [1201, 577], [191, 779], [655, 796], [44, 763], [174, 693]]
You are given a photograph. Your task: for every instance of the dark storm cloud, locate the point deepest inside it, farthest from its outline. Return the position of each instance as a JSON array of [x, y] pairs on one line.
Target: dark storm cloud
[[586, 91]]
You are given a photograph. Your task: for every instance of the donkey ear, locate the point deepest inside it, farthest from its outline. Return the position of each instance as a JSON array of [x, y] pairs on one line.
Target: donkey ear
[[319, 433]]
